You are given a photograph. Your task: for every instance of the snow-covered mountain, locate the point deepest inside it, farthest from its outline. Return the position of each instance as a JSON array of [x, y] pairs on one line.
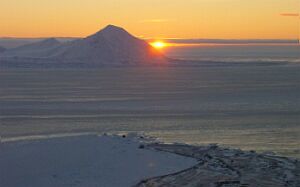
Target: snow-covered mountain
[[39, 49], [110, 46]]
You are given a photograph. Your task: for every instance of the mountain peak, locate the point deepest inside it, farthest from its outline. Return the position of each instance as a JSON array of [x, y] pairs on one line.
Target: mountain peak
[[113, 27], [111, 31]]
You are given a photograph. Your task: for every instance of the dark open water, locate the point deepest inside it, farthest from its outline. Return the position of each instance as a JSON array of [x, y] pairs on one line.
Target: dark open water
[[251, 107]]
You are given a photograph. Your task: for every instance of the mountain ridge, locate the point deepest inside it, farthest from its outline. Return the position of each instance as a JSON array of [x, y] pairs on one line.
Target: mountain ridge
[[111, 45]]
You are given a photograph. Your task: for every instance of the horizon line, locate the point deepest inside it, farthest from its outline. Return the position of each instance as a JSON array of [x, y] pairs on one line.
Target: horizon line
[[183, 40]]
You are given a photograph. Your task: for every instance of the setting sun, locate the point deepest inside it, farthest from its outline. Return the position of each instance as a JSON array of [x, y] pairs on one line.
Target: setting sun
[[158, 44]]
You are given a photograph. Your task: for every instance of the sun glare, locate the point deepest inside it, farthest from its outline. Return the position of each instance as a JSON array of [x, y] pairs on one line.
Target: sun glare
[[158, 44]]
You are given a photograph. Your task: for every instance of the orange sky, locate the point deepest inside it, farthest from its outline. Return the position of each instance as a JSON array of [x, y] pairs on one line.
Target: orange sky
[[228, 19]]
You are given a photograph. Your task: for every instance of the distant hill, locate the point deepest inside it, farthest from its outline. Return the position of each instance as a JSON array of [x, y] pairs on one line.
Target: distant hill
[[111, 46], [11, 42], [38, 49]]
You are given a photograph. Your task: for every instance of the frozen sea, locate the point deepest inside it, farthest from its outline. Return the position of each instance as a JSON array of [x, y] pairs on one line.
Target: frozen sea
[[249, 106]]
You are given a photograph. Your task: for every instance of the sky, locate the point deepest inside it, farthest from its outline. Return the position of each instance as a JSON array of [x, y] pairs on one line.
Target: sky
[[223, 19]]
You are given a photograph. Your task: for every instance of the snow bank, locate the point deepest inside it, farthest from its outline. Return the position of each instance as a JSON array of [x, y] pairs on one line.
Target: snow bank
[[88, 160]]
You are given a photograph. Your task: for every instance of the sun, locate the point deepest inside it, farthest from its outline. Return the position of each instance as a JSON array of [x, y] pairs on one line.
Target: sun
[[158, 44]]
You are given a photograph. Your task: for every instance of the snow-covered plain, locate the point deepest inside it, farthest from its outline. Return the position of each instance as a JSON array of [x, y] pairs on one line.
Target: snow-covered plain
[[87, 160]]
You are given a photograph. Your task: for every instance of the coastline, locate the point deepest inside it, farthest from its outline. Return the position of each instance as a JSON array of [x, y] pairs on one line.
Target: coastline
[[213, 165], [83, 160], [228, 167]]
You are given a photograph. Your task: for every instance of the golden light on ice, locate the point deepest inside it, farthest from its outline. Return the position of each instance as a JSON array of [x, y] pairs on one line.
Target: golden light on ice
[[158, 44]]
